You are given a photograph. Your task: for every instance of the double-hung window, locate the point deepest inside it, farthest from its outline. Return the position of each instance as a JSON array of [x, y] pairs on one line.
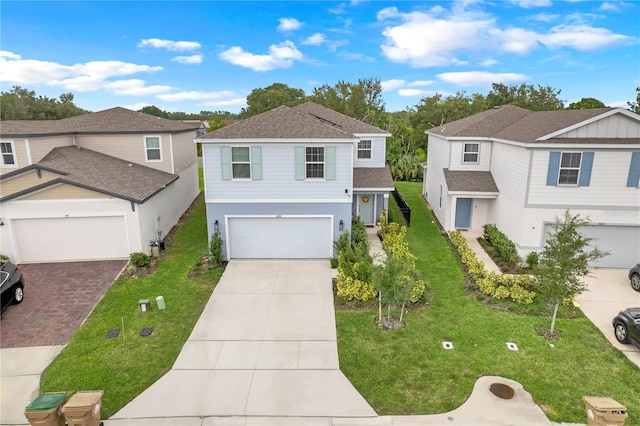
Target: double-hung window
[[153, 148], [314, 161], [241, 162], [471, 153], [364, 150], [8, 154], [569, 168]]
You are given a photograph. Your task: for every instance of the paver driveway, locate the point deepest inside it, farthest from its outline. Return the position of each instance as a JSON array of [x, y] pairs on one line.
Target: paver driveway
[[57, 299]]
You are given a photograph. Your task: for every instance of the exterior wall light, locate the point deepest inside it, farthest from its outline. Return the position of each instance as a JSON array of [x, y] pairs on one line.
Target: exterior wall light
[[216, 226], [341, 224]]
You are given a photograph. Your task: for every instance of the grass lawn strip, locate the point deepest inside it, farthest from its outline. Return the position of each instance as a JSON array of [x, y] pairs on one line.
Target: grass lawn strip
[[408, 372], [126, 365]]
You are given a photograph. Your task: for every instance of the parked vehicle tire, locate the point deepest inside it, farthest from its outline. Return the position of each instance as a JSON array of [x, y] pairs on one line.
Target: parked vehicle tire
[[622, 334], [635, 282], [18, 294]]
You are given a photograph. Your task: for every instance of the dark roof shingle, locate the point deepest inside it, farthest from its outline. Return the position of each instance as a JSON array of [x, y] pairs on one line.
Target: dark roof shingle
[[345, 122], [470, 181], [372, 178]]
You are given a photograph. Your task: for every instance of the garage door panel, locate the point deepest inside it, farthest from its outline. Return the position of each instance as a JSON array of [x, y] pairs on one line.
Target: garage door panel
[[295, 238], [67, 239]]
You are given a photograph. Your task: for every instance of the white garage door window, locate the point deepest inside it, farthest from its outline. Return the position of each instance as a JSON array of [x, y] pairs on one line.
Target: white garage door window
[[71, 238], [279, 237], [622, 243]]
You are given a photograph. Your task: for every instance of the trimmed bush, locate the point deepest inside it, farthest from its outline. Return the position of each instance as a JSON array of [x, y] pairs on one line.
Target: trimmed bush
[[140, 260], [503, 245]]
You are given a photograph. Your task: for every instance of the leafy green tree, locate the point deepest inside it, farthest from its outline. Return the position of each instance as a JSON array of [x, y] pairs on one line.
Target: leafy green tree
[[635, 105], [564, 261], [586, 103], [23, 104], [362, 101], [542, 98], [265, 99], [154, 110]]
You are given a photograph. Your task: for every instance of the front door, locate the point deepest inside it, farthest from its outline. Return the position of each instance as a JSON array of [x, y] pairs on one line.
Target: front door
[[463, 212], [366, 208]]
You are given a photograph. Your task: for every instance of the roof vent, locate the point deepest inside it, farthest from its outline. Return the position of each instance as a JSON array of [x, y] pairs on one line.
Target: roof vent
[[130, 165]]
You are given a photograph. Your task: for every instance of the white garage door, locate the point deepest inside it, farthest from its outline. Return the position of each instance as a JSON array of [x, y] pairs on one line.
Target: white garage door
[[622, 243], [280, 237], [72, 238]]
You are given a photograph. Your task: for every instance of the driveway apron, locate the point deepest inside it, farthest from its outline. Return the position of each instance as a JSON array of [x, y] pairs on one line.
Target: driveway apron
[[265, 345]]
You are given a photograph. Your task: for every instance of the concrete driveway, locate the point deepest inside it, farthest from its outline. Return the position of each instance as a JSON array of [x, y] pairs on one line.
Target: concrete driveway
[[608, 293], [265, 345]]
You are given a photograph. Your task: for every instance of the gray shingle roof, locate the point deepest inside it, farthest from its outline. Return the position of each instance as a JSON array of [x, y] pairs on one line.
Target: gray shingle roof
[[517, 124], [470, 181], [368, 177], [306, 121], [103, 173], [114, 120]]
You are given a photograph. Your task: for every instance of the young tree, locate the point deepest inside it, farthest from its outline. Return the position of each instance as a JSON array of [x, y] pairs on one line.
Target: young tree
[[586, 103], [542, 98], [634, 106], [565, 260], [265, 99]]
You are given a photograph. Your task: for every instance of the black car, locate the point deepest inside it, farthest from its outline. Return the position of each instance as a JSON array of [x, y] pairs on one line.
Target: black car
[[12, 284], [634, 277], [626, 326]]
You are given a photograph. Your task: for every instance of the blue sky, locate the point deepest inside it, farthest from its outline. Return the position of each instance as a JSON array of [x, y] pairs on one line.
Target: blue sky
[[193, 56]]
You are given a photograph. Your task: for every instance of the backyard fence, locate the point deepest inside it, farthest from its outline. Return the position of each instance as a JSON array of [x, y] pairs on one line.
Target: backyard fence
[[402, 206]]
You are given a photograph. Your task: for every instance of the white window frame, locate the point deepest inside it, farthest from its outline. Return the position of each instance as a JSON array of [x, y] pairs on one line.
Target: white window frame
[[369, 150], [13, 154], [569, 168], [307, 163], [146, 148], [465, 153], [233, 177]]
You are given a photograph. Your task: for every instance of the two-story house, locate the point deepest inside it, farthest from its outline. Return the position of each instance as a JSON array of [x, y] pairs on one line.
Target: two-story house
[[519, 169], [92, 187], [286, 183]]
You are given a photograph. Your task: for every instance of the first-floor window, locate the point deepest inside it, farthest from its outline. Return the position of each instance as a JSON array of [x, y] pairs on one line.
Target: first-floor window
[[315, 162], [241, 162], [569, 168], [8, 154], [152, 145]]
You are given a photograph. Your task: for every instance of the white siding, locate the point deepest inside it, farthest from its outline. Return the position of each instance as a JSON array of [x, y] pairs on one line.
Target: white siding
[[378, 153], [614, 126], [509, 167], [278, 177], [437, 160], [484, 161], [607, 188]]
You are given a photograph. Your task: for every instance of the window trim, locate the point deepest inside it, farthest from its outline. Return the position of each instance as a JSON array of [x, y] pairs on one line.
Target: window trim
[[579, 168], [146, 148], [369, 150], [13, 154], [241, 162], [465, 153], [323, 162]]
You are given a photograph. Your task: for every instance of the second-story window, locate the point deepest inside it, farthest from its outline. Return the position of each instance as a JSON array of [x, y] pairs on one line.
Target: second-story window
[[569, 168], [314, 162], [8, 154], [364, 150], [471, 153], [241, 162], [153, 148]]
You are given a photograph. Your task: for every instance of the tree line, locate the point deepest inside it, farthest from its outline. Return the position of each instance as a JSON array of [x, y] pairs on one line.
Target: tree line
[[407, 146]]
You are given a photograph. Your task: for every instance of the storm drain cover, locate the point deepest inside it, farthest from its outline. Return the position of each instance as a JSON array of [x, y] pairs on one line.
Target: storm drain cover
[[112, 333], [146, 331], [501, 390]]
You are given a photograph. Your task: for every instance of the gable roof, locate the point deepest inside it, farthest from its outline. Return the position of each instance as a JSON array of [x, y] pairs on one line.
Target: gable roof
[[470, 181], [114, 120], [306, 121], [98, 172], [518, 124]]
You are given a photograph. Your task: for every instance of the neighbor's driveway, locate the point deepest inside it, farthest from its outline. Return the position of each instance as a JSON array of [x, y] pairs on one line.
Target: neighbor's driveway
[[608, 293]]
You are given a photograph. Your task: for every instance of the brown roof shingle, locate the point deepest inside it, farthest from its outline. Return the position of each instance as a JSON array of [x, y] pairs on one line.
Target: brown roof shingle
[[470, 181], [346, 123], [372, 178]]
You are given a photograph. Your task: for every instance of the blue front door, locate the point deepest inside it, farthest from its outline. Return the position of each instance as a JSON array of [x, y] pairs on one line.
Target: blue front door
[[463, 212]]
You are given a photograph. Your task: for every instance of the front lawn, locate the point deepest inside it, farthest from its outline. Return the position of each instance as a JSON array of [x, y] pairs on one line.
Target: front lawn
[[408, 372], [126, 365]]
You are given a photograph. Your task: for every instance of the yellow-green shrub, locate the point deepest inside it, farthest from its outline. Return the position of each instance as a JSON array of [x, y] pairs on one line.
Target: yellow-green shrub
[[352, 288]]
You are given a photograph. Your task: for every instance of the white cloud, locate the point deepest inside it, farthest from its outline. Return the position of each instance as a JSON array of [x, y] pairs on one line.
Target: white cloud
[[392, 84], [134, 87], [489, 62], [196, 96], [174, 46], [608, 6], [315, 40], [193, 59], [528, 4], [288, 24], [225, 103], [515, 40], [136, 107], [545, 17], [84, 77], [419, 83], [581, 37], [480, 78], [352, 56], [281, 55], [411, 93]]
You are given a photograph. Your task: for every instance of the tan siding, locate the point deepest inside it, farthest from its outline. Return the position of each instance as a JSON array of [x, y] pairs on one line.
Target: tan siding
[[127, 147], [614, 126], [43, 145], [184, 151], [64, 192], [25, 181]]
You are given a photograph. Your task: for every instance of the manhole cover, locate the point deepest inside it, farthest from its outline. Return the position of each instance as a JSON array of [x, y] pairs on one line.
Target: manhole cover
[[501, 390]]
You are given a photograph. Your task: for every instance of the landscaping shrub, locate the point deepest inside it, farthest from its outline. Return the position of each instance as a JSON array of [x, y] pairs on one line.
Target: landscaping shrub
[[355, 266], [215, 249], [532, 259], [140, 260], [359, 236], [503, 245]]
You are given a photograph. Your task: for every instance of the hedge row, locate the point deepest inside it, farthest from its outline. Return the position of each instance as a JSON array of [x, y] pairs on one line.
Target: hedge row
[[504, 246]]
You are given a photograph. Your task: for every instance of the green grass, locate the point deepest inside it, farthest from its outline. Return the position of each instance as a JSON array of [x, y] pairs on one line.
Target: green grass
[[126, 365], [408, 372]]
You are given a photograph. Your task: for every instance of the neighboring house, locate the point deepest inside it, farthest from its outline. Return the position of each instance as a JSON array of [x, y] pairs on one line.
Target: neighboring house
[[520, 169], [286, 183], [95, 186]]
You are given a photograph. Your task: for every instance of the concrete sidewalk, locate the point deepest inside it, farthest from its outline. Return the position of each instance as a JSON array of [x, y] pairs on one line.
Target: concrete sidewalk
[[265, 345]]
